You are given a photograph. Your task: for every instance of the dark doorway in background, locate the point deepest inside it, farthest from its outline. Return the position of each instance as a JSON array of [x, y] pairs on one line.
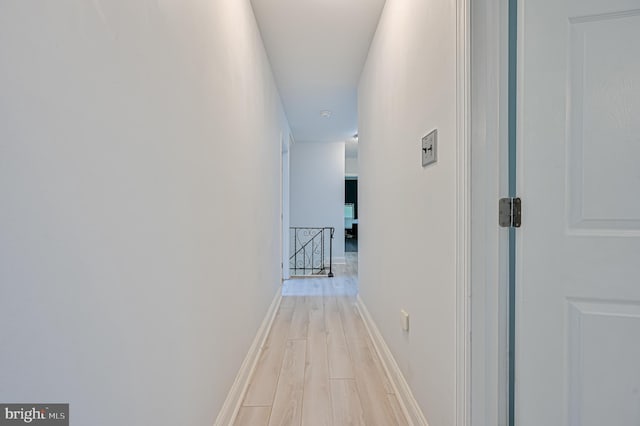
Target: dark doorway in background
[[351, 214]]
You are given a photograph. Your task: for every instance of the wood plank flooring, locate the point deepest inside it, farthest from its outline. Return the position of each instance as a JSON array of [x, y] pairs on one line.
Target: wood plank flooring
[[319, 366]]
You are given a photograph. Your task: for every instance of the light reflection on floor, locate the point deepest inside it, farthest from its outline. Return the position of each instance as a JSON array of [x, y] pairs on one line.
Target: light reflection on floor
[[344, 282]]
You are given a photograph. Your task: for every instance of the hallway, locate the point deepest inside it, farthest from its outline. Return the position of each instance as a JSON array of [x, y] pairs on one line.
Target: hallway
[[149, 159], [319, 366]]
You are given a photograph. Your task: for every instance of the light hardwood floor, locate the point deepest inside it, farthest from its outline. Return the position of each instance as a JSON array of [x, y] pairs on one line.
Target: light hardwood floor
[[319, 366]]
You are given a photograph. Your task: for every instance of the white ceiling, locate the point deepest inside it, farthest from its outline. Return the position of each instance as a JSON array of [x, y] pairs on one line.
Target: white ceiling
[[317, 49]]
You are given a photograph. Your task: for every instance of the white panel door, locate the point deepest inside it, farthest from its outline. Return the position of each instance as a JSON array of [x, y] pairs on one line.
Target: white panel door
[[578, 251]]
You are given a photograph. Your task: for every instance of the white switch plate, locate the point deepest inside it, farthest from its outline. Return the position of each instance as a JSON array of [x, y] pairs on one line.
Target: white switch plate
[[429, 148], [405, 319]]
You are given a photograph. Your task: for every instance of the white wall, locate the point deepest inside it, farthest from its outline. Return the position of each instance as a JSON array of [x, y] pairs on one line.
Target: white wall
[[140, 188], [407, 226], [351, 166], [317, 189]]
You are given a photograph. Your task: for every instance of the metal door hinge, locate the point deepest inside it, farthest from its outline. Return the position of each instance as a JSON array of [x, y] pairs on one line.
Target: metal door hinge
[[510, 212]]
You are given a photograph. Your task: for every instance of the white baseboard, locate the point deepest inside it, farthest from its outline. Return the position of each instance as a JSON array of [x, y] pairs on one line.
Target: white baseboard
[[232, 404], [400, 386]]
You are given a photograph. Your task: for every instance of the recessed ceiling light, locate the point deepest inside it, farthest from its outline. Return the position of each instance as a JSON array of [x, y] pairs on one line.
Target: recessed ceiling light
[[325, 114]]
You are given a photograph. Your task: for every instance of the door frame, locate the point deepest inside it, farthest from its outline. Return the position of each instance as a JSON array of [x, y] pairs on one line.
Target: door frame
[[489, 163], [285, 143], [463, 380]]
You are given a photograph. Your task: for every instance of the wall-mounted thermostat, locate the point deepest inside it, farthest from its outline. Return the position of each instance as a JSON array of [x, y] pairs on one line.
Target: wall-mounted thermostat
[[429, 148]]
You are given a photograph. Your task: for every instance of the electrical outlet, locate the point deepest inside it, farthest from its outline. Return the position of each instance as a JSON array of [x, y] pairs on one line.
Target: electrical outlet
[[429, 148], [405, 320]]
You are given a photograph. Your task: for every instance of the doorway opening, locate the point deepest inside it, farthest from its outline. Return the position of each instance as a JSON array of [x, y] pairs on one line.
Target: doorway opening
[[351, 215]]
